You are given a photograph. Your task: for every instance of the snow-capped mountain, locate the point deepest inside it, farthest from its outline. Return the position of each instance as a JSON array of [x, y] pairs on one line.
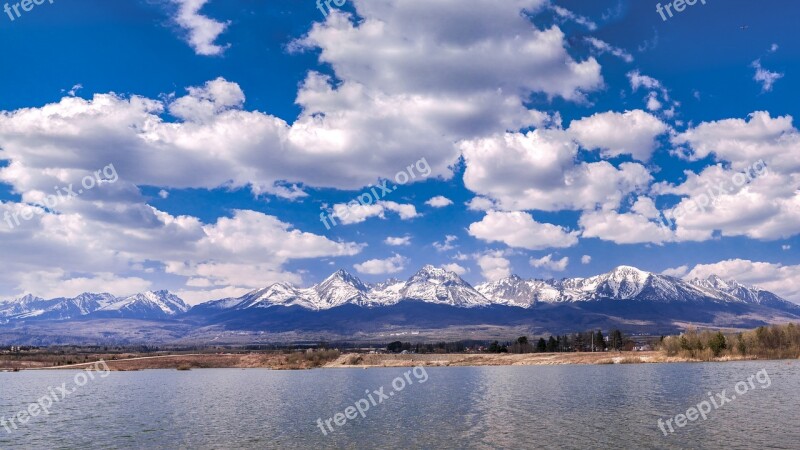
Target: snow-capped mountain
[[431, 285], [514, 291], [57, 309], [622, 283], [435, 285], [147, 305]]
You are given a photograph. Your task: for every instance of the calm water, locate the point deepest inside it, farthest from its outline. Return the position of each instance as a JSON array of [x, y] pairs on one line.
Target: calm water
[[470, 407]]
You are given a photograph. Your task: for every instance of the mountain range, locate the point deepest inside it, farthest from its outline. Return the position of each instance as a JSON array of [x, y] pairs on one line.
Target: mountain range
[[432, 299]]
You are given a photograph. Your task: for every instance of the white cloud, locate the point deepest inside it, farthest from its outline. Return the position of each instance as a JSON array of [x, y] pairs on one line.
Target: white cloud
[[764, 76], [202, 31], [624, 228], [163, 194], [393, 264], [754, 186], [786, 247], [351, 213], [547, 262], [430, 47], [58, 283], [398, 241], [676, 272], [569, 15], [605, 47], [480, 204], [439, 202], [538, 170], [632, 132], [519, 229], [638, 80], [777, 278], [494, 266], [447, 245], [455, 268], [586, 259]]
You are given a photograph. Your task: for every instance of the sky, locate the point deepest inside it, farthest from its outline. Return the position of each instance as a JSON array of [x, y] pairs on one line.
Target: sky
[[214, 147]]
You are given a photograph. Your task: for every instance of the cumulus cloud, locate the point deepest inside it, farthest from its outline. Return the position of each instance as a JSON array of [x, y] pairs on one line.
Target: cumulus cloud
[[630, 133], [350, 213], [774, 277], [439, 201], [624, 228], [393, 264], [455, 268], [494, 266], [398, 241], [586, 259], [431, 45], [676, 272], [519, 230], [547, 262], [201, 30], [538, 170], [480, 204], [754, 185]]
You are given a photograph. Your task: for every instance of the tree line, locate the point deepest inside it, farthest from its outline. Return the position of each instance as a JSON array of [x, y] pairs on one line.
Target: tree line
[[589, 341], [769, 342]]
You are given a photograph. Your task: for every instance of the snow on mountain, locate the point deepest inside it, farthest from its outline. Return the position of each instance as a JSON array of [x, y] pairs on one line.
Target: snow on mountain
[[622, 283], [514, 291], [435, 285], [146, 305], [341, 288], [388, 292], [57, 309], [731, 290], [430, 285]]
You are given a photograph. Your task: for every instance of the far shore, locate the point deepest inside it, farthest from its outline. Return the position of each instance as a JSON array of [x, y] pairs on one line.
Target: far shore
[[301, 361]]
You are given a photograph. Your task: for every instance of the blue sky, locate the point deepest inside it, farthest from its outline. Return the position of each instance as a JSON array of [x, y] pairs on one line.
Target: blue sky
[[558, 133]]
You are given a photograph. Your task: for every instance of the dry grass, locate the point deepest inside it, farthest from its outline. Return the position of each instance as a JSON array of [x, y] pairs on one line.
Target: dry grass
[[496, 359]]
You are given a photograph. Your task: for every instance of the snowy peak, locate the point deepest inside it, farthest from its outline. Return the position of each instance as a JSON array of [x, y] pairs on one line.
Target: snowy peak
[[147, 305], [624, 282], [435, 285], [159, 304], [341, 288]]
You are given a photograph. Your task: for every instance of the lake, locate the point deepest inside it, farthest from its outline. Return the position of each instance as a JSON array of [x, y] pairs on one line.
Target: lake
[[603, 406]]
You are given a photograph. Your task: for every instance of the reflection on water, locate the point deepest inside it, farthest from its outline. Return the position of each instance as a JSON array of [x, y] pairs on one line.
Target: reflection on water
[[458, 407]]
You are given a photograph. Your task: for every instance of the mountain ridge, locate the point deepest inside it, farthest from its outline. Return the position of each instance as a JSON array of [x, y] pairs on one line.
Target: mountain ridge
[[429, 285]]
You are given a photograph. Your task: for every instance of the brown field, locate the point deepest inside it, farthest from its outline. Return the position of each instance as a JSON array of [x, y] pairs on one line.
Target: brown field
[[499, 359], [127, 362], [333, 359]]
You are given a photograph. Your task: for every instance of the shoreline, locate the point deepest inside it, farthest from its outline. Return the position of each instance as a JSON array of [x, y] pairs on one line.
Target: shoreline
[[373, 360]]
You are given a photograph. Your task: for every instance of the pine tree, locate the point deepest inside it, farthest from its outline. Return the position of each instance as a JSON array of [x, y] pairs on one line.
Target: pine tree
[[552, 345], [541, 346], [599, 341]]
